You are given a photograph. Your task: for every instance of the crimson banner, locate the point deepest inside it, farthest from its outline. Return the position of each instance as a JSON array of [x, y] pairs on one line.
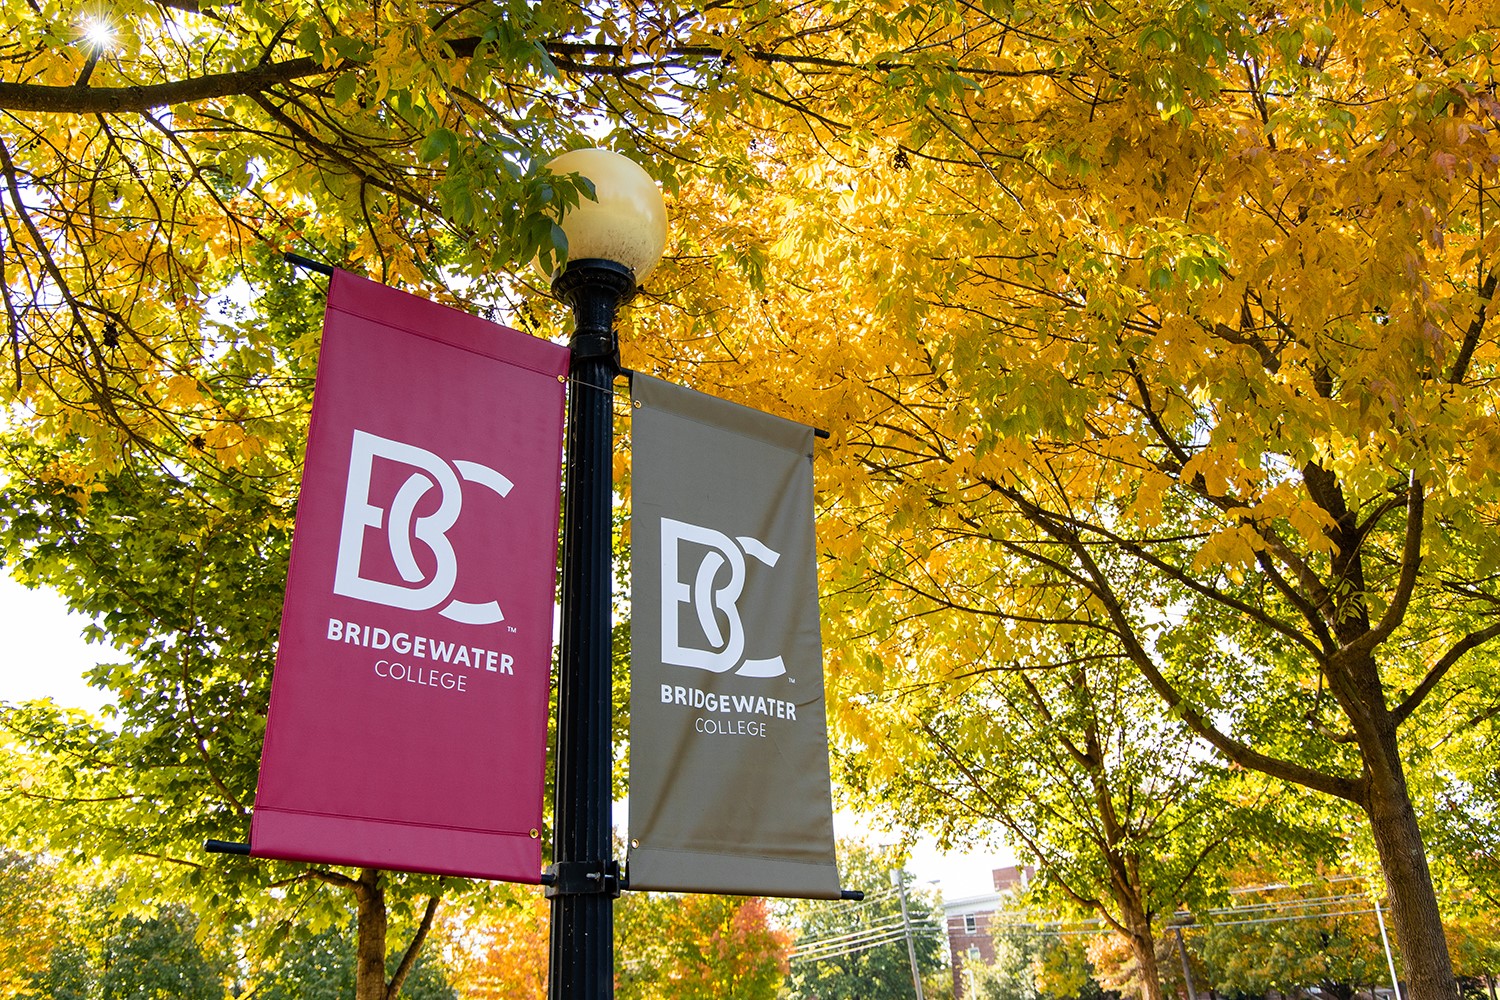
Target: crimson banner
[[408, 718]]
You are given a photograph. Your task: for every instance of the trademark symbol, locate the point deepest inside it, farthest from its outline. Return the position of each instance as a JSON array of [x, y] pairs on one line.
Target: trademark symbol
[[510, 628]]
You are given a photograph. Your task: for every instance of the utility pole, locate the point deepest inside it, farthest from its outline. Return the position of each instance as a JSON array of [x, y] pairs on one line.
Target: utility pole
[[1187, 970], [1390, 960], [911, 944]]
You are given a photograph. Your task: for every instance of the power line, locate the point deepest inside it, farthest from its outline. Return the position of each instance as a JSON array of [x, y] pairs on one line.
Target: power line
[[873, 940], [881, 931], [1095, 925], [889, 929], [1282, 920], [1276, 886], [879, 925], [859, 932]]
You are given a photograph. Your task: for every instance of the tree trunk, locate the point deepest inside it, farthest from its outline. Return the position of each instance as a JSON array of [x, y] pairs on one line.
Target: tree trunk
[[1137, 926], [369, 962], [1143, 945], [1403, 863]]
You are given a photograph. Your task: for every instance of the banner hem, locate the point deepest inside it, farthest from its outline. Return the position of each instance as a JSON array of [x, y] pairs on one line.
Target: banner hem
[[288, 835], [668, 870]]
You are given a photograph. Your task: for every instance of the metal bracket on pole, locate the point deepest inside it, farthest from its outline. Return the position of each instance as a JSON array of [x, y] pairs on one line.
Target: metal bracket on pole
[[581, 878]]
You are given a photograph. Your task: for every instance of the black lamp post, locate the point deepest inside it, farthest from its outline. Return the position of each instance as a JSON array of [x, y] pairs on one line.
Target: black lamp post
[[614, 242]]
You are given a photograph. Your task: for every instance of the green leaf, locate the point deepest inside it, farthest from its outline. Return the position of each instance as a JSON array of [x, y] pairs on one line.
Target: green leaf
[[436, 145], [344, 87]]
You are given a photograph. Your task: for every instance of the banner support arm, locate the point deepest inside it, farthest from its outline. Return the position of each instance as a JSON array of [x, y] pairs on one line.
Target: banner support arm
[[308, 264], [226, 847]]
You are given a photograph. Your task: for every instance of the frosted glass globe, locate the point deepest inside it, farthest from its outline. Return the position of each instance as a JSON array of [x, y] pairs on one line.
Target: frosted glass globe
[[627, 223]]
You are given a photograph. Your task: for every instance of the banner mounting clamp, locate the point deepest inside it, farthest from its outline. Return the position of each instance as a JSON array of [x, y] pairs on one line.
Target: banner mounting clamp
[[582, 878]]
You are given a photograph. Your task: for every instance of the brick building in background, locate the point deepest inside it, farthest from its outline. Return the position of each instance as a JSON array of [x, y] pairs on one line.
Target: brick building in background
[[968, 922]]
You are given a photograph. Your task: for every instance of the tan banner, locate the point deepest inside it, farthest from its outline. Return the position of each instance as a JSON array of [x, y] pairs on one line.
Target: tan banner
[[729, 788]]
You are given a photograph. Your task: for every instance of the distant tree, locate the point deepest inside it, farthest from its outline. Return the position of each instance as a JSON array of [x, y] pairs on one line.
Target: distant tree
[[857, 951], [322, 967], [1064, 972], [1466, 817], [507, 952], [159, 958], [1473, 926], [938, 985], [33, 910], [667, 947], [63, 936], [69, 975], [1012, 974], [1293, 939], [697, 947], [86, 951], [1066, 750]]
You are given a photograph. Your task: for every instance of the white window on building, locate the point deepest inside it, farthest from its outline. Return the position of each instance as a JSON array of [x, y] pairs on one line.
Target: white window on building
[[971, 923]]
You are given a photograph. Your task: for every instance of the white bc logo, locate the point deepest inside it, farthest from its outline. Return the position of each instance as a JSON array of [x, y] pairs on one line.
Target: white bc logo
[[402, 526], [708, 600]]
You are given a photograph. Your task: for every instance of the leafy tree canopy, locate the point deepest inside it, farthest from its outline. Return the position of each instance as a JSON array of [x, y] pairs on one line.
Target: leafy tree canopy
[[1165, 325]]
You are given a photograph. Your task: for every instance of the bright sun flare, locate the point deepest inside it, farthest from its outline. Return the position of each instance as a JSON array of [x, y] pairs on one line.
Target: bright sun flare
[[98, 32]]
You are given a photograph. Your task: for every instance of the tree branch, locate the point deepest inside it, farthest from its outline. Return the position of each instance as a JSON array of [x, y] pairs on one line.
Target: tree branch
[[1235, 751], [409, 959], [1441, 667], [1411, 562], [76, 99], [1460, 366], [1037, 515], [334, 878], [122, 100]]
